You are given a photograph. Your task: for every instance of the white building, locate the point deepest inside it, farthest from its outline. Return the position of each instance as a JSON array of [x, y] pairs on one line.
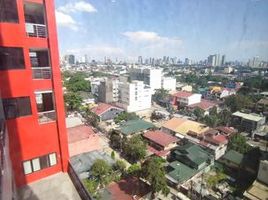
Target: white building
[[168, 83], [134, 96]]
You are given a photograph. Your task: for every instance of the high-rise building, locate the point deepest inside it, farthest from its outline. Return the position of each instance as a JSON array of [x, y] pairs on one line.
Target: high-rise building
[[255, 62], [212, 60], [223, 60], [70, 59], [108, 91], [140, 60], [31, 90]]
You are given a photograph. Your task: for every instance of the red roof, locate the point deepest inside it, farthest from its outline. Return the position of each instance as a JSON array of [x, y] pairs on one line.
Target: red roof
[[79, 133], [160, 138], [182, 94], [226, 130], [127, 189], [101, 108], [204, 104], [157, 152], [217, 139]]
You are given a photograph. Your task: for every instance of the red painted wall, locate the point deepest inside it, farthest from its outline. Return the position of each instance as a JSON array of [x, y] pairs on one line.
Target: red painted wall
[[28, 138]]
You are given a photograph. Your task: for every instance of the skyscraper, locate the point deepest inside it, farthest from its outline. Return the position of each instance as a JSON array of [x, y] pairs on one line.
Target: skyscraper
[[31, 90], [212, 60], [140, 60]]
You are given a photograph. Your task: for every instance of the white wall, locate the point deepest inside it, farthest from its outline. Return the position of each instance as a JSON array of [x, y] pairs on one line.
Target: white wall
[[169, 83], [195, 98]]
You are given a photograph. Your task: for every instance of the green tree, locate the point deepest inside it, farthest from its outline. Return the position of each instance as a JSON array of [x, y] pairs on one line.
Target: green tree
[[125, 116], [237, 102], [77, 83], [120, 165], [225, 117], [91, 185], [134, 170], [239, 143], [153, 171], [198, 113], [115, 140], [161, 95], [73, 101], [101, 170], [211, 120], [134, 148], [91, 118], [113, 155]]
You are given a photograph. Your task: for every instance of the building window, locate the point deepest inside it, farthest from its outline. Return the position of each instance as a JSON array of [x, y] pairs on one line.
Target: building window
[[40, 64], [17, 107], [11, 58], [39, 163], [9, 11], [45, 106]]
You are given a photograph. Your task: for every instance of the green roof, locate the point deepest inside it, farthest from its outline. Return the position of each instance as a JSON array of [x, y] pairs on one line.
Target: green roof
[[180, 172], [134, 126], [193, 152], [234, 157]]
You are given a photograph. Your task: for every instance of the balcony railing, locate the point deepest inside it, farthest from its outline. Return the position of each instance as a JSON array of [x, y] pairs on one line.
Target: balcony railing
[[41, 72], [36, 30], [48, 116]]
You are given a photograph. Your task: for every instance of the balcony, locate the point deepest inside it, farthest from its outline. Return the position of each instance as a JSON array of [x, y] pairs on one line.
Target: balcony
[[35, 20], [40, 64], [36, 30], [45, 117], [45, 106]]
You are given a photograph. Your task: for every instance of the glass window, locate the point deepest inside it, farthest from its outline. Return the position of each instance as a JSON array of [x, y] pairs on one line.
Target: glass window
[[52, 159], [27, 167], [44, 161], [9, 11], [11, 58], [17, 107], [36, 164], [44, 101]]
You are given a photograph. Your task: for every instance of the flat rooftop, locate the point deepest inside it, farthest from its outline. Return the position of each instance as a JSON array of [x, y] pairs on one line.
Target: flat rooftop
[[55, 187], [251, 117], [257, 191]]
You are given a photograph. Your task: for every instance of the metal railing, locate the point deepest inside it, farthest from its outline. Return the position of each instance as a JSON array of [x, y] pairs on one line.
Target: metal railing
[[41, 72], [36, 30], [83, 193], [48, 116]]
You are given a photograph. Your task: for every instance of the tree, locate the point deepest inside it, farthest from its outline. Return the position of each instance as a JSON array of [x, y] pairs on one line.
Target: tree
[[115, 140], [153, 171], [73, 101], [125, 116], [161, 95], [135, 148], [239, 143], [120, 165], [113, 155], [198, 113], [77, 83], [91, 118], [225, 116], [237, 102], [134, 170], [101, 170], [211, 120]]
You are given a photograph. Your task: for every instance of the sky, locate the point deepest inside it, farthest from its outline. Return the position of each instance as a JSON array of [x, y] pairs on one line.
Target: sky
[[126, 29]]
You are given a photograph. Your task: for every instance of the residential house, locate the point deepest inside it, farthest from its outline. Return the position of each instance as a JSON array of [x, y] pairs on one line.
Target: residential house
[[180, 127], [262, 106], [106, 111], [160, 143], [247, 122], [204, 105], [182, 99]]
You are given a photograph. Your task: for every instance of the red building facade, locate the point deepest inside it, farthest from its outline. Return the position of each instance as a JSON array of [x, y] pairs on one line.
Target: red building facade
[[31, 90]]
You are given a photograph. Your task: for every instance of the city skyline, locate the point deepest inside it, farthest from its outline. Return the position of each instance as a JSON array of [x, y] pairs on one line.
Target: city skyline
[[154, 29]]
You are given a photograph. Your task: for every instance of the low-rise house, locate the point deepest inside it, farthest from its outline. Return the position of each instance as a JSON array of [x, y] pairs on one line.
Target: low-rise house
[[187, 161], [262, 106], [247, 122], [226, 131], [180, 127], [259, 189], [204, 105], [135, 126], [160, 143], [182, 99], [212, 140], [106, 111]]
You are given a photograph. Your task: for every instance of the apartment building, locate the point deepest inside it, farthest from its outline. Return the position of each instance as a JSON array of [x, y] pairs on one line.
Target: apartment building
[[134, 96], [31, 90]]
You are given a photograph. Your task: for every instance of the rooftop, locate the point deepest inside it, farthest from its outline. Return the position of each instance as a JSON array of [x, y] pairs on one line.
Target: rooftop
[[160, 138], [234, 157], [182, 94], [180, 172], [251, 117], [102, 107], [135, 126], [127, 189], [55, 187], [257, 191], [204, 105]]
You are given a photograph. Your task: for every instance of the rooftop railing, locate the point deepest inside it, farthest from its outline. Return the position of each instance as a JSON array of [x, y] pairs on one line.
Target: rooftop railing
[[41, 72]]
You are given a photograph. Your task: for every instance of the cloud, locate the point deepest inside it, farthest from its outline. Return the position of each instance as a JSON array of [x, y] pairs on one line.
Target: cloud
[[99, 51], [80, 6], [65, 20], [152, 44]]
